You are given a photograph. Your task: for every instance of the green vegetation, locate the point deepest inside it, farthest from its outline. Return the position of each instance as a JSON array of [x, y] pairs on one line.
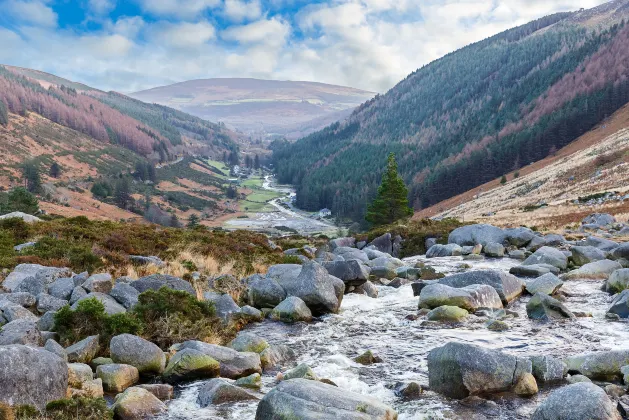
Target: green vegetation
[[467, 118], [595, 196], [90, 318], [4, 116], [83, 244], [18, 199], [68, 409], [32, 177], [391, 203], [503, 180], [533, 207], [415, 233], [164, 317]]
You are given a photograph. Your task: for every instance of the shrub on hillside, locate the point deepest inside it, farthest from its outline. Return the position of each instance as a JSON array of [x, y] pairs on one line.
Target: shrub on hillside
[[18, 199], [90, 318]]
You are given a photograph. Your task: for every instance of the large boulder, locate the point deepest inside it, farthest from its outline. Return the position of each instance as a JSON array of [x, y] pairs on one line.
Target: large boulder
[[62, 288], [547, 284], [157, 281], [137, 404], [459, 370], [598, 270], [31, 376], [265, 292], [223, 303], [447, 314], [601, 243], [320, 291], [101, 283], [24, 299], [249, 342], [621, 251], [112, 307], [580, 401], [548, 255], [548, 369], [353, 273], [619, 306], [477, 234], [32, 285], [618, 281], [603, 365], [135, 351], [190, 364], [125, 294], [470, 298], [23, 271], [233, 364], [311, 400], [117, 377], [382, 243], [13, 312], [218, 391], [599, 219], [534, 270], [46, 303], [83, 351], [519, 237], [342, 242], [508, 286], [276, 355], [349, 254], [292, 309], [494, 250], [450, 250], [545, 308], [582, 255], [20, 331]]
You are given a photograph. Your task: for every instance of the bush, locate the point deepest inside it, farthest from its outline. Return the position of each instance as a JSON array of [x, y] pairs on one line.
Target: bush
[[68, 409], [77, 256], [18, 199], [7, 254], [90, 318]]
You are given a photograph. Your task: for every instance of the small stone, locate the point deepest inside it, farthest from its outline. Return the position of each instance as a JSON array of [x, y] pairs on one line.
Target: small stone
[[117, 377], [250, 382], [575, 379], [302, 371], [447, 314], [367, 358], [526, 386], [497, 325]]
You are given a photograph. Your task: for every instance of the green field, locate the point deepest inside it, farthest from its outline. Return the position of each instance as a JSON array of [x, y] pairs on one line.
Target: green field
[[221, 167], [258, 200]]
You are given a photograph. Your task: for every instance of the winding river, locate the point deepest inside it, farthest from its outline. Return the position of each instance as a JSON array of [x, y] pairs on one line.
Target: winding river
[[380, 325]]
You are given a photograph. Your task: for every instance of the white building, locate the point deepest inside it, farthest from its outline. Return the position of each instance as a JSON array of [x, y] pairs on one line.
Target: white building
[[325, 212]]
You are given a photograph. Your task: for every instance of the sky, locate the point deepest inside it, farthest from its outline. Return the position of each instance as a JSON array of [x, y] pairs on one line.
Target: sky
[[131, 45]]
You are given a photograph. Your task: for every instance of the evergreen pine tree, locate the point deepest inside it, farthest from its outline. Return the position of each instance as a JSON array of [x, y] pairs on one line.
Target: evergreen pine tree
[[32, 178], [503, 180], [391, 203], [55, 170], [256, 162], [4, 116], [174, 221], [193, 221], [122, 193]]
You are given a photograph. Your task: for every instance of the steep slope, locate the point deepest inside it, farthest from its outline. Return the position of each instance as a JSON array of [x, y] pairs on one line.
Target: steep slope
[[590, 175], [108, 142], [260, 107], [471, 116]]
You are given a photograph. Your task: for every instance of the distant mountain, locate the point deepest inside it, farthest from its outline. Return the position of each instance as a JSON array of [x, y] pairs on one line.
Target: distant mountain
[[260, 107], [472, 115]]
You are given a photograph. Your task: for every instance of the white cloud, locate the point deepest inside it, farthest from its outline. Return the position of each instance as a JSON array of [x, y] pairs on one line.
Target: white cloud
[[272, 31], [238, 10], [30, 12], [101, 7], [129, 27], [178, 8], [182, 35]]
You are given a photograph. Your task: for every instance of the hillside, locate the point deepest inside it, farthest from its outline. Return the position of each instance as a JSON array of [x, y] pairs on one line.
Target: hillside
[[260, 107], [472, 115], [591, 175], [118, 157]]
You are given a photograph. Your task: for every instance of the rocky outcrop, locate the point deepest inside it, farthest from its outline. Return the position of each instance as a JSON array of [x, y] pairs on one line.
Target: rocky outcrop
[[508, 286], [519, 237], [582, 255], [320, 291], [292, 309], [542, 307], [310, 400], [265, 292], [233, 364], [353, 273], [604, 365], [190, 364], [218, 391], [598, 270], [135, 351], [157, 281], [477, 234], [31, 376], [459, 370], [137, 404], [470, 298], [548, 284], [548, 255], [581, 401], [23, 271]]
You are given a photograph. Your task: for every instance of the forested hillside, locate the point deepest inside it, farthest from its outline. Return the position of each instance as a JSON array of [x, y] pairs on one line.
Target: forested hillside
[[471, 116], [152, 131]]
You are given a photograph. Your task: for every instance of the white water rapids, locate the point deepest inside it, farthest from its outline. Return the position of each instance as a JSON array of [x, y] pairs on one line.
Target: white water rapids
[[380, 325]]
